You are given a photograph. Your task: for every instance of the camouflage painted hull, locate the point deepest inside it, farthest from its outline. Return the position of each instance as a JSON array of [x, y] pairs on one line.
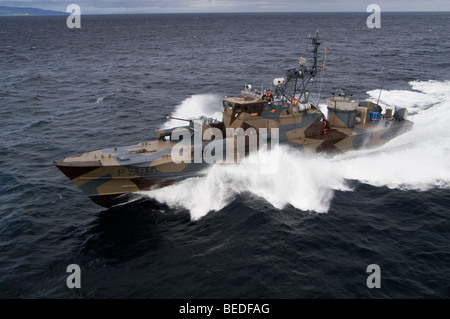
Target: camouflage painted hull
[[107, 175], [111, 176]]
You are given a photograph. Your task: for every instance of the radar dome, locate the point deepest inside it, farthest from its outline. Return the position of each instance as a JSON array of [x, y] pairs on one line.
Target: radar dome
[[279, 81]]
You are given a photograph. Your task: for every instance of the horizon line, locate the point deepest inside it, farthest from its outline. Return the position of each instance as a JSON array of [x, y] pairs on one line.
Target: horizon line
[[258, 12], [231, 12]]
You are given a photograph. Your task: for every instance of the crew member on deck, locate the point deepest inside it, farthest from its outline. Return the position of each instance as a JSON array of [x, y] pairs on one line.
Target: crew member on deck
[[267, 96]]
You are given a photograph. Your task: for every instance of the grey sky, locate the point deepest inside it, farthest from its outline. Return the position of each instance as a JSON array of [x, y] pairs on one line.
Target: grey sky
[[169, 6]]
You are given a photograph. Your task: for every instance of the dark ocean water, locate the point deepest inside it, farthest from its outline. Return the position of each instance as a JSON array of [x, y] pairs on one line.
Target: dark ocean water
[[308, 232]]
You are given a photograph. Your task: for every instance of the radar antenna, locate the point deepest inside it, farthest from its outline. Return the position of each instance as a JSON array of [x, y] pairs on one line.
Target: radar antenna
[[299, 79]]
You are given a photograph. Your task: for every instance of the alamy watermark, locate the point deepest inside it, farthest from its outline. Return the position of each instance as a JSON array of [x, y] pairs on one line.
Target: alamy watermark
[[238, 146], [74, 19], [374, 20], [74, 280], [374, 280]]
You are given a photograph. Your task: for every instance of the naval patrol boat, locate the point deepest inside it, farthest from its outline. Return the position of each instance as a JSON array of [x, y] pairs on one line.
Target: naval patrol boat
[[286, 112]]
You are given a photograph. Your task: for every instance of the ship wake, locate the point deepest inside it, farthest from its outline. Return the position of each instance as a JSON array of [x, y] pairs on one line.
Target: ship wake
[[417, 160]]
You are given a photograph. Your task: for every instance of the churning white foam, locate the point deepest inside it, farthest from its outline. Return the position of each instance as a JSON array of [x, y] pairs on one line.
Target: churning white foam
[[415, 160], [300, 180]]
